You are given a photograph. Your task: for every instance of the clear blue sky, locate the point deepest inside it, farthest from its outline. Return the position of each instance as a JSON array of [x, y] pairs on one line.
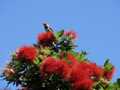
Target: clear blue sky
[[97, 22]]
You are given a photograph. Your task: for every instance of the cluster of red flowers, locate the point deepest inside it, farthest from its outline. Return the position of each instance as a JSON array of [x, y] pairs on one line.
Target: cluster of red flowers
[[82, 75], [27, 53]]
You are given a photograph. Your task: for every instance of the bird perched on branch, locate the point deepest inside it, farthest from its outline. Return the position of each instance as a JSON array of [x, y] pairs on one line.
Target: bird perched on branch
[[47, 27]]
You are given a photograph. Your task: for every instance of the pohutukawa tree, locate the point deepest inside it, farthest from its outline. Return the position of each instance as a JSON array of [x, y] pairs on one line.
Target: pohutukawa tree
[[53, 64]]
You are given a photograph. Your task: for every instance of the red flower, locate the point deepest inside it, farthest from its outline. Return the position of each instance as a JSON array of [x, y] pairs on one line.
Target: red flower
[[85, 67], [71, 59], [84, 71], [66, 70], [51, 66], [28, 53], [80, 78], [71, 34], [45, 37], [95, 71], [78, 73], [108, 74], [85, 84]]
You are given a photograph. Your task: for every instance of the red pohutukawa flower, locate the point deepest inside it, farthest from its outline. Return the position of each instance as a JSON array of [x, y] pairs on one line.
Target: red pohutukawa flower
[[71, 59], [27, 53], [85, 84], [96, 71], [53, 66], [84, 71], [50, 66], [46, 37], [109, 74], [71, 34]]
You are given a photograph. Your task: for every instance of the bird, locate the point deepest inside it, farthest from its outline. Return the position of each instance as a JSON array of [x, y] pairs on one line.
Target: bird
[[47, 27]]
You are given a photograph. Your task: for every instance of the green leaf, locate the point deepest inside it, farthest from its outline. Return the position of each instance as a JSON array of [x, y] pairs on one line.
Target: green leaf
[[37, 61], [59, 34], [55, 55], [81, 56], [106, 62], [118, 82], [98, 87], [74, 53], [113, 86], [107, 65], [46, 51]]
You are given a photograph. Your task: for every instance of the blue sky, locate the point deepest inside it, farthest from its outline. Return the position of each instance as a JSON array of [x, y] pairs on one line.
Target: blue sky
[[95, 21]]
